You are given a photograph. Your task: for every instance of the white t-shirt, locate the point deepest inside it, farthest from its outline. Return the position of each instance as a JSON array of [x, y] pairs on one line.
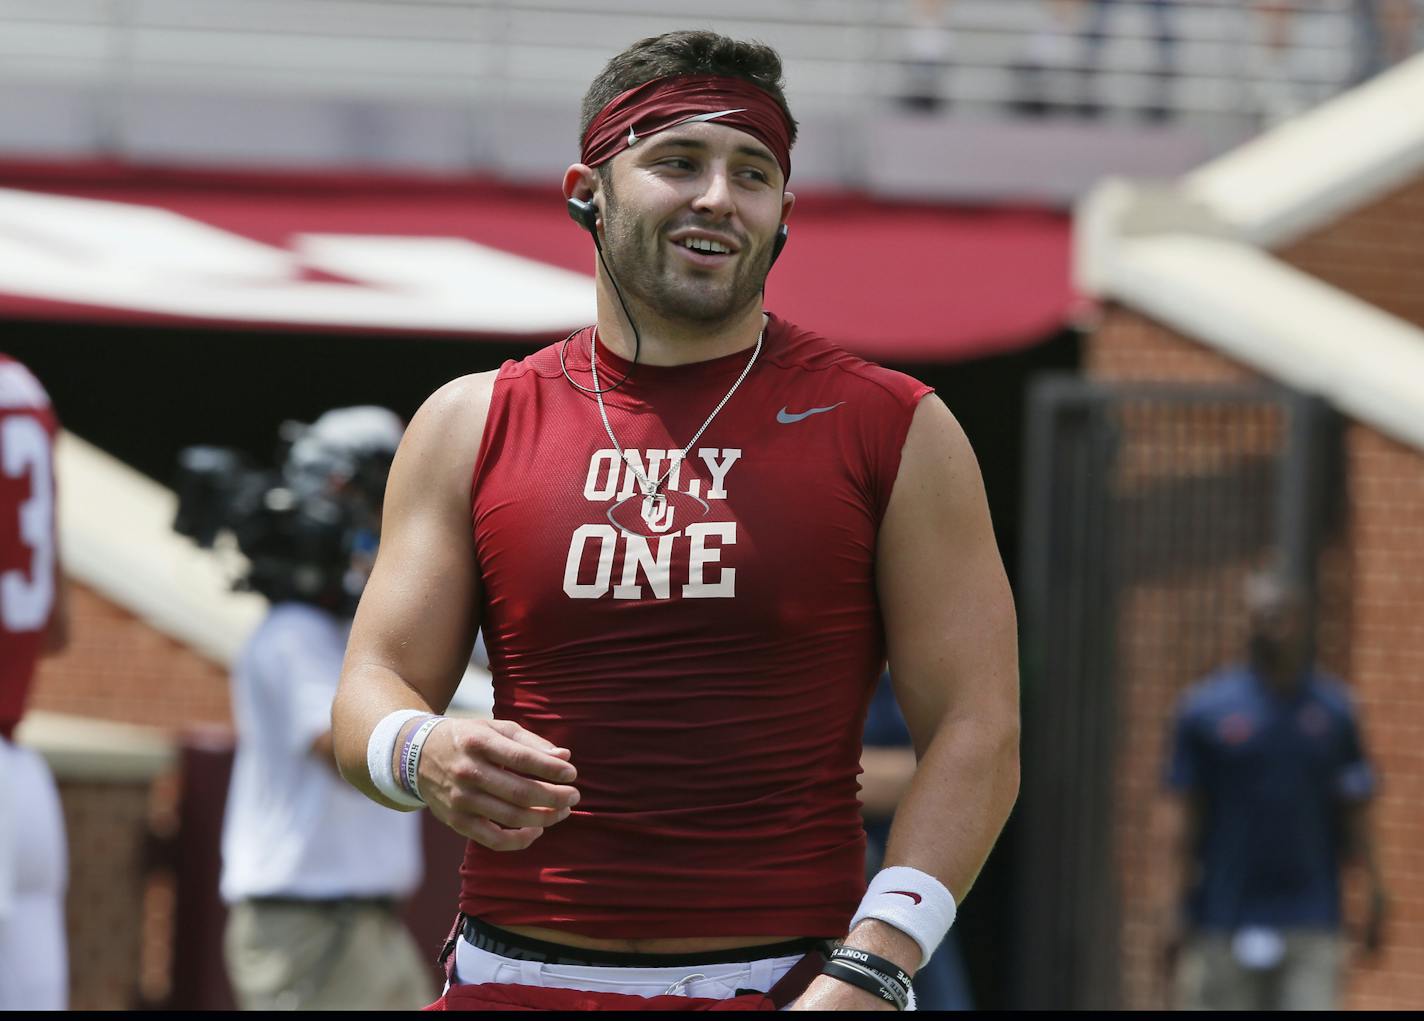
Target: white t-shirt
[[293, 827]]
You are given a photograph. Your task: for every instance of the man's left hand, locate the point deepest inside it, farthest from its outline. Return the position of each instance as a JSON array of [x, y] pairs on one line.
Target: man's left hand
[[1373, 936], [827, 993]]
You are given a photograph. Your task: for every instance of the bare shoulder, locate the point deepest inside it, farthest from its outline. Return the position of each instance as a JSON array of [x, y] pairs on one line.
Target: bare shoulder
[[443, 439], [938, 459], [459, 405], [938, 511]]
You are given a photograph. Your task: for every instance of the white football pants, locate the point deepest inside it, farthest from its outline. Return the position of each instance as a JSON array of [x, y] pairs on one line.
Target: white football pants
[[34, 870]]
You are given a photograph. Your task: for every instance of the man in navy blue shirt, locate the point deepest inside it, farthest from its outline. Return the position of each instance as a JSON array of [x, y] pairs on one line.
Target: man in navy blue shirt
[[1273, 786]]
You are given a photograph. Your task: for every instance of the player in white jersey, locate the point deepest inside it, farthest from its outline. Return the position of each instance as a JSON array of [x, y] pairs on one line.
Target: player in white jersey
[[33, 622]]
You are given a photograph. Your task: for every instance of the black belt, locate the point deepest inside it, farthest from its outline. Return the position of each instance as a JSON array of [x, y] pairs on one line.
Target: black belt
[[504, 943]]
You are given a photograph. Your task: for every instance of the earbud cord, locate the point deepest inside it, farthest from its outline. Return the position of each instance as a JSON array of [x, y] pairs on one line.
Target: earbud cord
[[593, 347]]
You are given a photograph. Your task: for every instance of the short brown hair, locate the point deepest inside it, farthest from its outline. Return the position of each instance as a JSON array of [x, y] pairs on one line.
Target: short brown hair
[[681, 53]]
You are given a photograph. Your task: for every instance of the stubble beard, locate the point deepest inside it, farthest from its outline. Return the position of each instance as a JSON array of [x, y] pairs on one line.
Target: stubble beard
[[640, 263]]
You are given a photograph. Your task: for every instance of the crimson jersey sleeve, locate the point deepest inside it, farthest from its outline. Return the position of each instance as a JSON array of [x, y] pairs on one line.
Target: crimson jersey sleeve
[[28, 547]]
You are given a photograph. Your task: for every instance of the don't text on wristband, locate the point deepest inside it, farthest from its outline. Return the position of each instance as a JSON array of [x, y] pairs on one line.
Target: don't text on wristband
[[914, 902], [872, 981], [381, 753], [876, 963]]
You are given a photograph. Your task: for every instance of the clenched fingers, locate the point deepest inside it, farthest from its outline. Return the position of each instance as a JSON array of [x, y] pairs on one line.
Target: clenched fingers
[[519, 754], [473, 777], [508, 815]]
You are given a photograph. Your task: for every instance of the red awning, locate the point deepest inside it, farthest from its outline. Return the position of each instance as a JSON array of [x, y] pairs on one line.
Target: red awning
[[913, 283]]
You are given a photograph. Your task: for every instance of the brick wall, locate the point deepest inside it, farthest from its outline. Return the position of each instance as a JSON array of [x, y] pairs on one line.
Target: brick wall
[[1127, 347], [118, 668], [1375, 253], [105, 907], [1371, 632], [1387, 528]]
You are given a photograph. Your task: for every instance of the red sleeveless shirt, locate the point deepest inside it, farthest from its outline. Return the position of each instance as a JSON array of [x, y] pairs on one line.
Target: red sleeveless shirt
[[708, 668], [27, 533]]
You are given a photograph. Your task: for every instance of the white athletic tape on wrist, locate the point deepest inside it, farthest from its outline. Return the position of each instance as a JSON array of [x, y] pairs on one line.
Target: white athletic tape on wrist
[[914, 902], [411, 765], [381, 753]]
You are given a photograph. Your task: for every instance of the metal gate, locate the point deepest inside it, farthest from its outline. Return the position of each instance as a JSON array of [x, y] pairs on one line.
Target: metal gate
[[1146, 508]]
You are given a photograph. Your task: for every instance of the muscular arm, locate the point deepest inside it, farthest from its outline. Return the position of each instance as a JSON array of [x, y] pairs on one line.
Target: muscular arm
[[953, 645], [412, 634], [952, 635]]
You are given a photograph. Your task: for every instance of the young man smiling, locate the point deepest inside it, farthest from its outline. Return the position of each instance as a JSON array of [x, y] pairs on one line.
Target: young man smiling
[[691, 534]]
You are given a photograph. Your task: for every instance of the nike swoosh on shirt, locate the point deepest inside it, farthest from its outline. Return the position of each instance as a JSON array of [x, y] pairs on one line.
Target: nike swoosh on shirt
[[906, 893], [786, 417]]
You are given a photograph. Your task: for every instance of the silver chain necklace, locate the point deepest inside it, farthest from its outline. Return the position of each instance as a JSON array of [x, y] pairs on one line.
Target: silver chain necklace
[[654, 499]]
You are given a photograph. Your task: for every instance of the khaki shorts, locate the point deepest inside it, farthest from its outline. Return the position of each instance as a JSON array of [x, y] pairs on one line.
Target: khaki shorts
[[337, 955], [1307, 977]]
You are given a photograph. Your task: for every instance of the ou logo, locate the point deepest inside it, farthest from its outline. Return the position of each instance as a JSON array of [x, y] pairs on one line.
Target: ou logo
[[657, 512], [637, 514]]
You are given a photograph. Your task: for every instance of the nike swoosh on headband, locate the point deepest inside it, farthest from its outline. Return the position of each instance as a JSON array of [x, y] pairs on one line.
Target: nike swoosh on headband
[[786, 417], [695, 118], [913, 896]]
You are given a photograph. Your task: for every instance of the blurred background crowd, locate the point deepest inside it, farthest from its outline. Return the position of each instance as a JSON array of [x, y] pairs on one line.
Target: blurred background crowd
[[1164, 259]]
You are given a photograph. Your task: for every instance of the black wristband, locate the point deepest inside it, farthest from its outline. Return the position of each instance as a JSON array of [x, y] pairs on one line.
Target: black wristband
[[875, 963], [863, 978]]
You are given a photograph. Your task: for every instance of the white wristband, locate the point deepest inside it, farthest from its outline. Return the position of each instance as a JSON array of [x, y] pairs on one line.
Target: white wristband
[[381, 753], [914, 902]]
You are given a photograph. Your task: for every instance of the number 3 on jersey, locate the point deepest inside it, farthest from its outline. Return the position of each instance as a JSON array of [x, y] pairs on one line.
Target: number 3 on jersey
[[26, 598]]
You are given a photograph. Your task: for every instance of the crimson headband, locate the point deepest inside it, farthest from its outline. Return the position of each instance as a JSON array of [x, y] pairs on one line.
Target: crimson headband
[[668, 102]]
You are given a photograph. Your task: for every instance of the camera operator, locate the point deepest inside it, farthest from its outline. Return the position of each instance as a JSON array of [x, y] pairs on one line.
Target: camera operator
[[313, 872]]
